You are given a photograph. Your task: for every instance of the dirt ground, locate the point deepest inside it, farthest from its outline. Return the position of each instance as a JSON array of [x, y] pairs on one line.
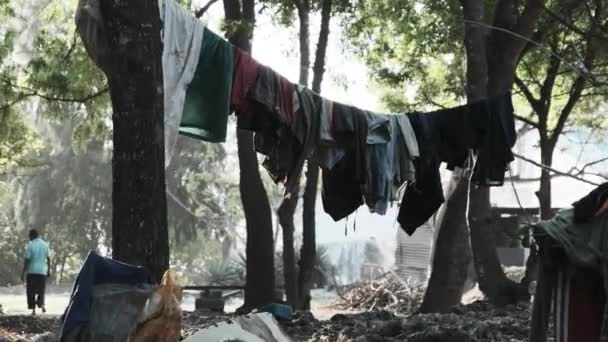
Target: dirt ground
[[18, 325], [477, 322]]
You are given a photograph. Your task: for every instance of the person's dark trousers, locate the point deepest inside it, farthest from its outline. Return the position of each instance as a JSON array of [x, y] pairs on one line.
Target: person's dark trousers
[[35, 288]]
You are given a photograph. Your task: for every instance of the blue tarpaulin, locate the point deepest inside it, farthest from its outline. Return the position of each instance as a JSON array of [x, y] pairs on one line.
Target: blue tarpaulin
[[96, 270]]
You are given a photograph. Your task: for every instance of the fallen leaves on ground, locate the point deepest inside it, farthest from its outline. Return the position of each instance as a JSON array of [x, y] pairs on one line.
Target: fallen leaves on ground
[[478, 322], [24, 328]]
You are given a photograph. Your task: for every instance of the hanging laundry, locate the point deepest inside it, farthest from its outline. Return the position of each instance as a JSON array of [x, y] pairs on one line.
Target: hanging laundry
[[342, 185], [603, 209], [377, 174], [306, 128], [182, 37], [458, 130], [572, 254], [207, 103], [391, 160], [494, 150], [328, 152], [287, 121], [585, 209], [272, 138], [268, 109], [282, 151], [246, 70], [299, 135], [579, 303], [342, 191], [365, 156], [406, 150], [276, 93], [486, 127], [424, 196]]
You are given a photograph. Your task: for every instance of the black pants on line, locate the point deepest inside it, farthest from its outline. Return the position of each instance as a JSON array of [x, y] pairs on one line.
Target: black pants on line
[[35, 288]]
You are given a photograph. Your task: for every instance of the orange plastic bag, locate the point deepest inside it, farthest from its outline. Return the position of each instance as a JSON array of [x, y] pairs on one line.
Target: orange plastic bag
[[161, 319]]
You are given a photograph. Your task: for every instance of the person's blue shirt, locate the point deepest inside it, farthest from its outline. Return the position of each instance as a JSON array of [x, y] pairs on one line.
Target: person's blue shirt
[[37, 252]]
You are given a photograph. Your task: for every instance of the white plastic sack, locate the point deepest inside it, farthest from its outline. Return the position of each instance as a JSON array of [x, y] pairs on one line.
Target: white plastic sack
[[260, 327]]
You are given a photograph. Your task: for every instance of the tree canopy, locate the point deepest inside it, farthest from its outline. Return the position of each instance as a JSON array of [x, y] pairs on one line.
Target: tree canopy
[[56, 151]]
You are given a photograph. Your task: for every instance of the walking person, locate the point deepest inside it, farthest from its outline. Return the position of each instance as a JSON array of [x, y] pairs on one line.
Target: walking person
[[36, 270]]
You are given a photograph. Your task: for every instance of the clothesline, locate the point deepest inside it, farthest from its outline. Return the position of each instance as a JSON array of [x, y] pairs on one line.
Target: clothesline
[[444, 135], [365, 156], [526, 215]]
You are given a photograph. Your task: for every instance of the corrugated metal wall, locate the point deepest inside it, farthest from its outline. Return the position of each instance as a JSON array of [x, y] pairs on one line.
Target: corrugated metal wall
[[413, 254]]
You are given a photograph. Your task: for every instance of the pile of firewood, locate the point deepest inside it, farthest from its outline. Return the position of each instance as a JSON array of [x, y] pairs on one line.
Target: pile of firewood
[[388, 292]]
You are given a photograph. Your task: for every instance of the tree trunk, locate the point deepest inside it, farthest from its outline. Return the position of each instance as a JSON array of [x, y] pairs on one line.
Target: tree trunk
[[308, 253], [500, 73], [490, 275], [277, 230], [227, 245], [476, 84], [286, 212], [452, 251], [288, 206], [303, 7], [259, 289], [492, 280], [139, 220], [62, 272], [544, 192], [260, 254], [321, 52]]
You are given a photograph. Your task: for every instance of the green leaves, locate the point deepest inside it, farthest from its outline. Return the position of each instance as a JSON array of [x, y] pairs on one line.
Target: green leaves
[[19, 146], [564, 81], [411, 46], [57, 80]]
